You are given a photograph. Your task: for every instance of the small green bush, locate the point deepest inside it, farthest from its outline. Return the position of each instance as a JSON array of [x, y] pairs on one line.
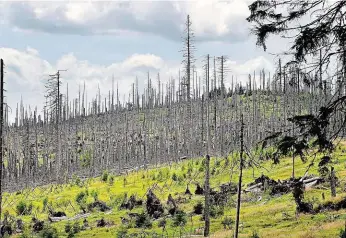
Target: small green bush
[[342, 233], [68, 227], [104, 176], [198, 208], [180, 219], [227, 223], [48, 232], [174, 177], [23, 208], [143, 221], [76, 227], [111, 180], [162, 223], [94, 194], [81, 200], [254, 235], [216, 211], [45, 203], [121, 233], [81, 197]]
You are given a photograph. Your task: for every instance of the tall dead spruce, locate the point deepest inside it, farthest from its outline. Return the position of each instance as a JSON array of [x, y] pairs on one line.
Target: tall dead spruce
[[54, 97], [207, 163]]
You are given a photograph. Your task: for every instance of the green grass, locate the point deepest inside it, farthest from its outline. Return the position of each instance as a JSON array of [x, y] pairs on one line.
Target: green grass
[[270, 217]]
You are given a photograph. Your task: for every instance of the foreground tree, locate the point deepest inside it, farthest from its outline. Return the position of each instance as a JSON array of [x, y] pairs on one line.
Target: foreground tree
[[317, 26], [318, 41]]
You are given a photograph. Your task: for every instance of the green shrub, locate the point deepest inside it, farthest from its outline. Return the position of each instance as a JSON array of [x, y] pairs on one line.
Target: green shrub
[[77, 181], [71, 230], [85, 159], [181, 179], [94, 194], [342, 233], [226, 161], [180, 219], [160, 176], [227, 223], [162, 223], [23, 208], [143, 220], [81, 199], [48, 232], [68, 227], [254, 235], [104, 176], [111, 180], [216, 211], [198, 208], [116, 200], [76, 227], [45, 203], [122, 232], [174, 177]]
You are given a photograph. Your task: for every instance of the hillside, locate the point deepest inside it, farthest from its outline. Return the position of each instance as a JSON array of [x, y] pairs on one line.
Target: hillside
[[269, 216], [40, 152]]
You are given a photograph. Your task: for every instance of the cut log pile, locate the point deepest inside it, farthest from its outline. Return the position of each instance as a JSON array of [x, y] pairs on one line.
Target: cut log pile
[[281, 187]]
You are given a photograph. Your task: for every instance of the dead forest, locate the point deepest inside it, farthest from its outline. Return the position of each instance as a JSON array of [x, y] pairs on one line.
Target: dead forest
[[85, 137], [249, 126]]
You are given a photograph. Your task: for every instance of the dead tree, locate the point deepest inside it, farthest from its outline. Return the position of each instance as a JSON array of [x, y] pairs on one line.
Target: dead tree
[[207, 162], [1, 128], [54, 96], [240, 176]]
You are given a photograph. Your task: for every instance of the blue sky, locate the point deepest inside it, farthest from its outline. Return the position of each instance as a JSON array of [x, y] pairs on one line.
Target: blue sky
[[95, 40]]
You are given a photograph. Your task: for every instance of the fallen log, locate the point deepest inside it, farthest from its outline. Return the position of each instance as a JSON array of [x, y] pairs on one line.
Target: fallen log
[[311, 180], [309, 185], [56, 219], [253, 187]]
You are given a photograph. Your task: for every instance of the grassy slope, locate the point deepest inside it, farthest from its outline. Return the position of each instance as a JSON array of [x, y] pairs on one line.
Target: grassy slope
[[265, 216]]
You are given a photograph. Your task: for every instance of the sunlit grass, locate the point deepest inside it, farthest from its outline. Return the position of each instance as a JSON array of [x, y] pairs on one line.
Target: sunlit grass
[[269, 216]]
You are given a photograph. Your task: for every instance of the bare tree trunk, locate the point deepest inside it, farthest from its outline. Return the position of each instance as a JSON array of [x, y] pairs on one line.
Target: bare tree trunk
[[207, 161], [1, 127], [332, 182], [240, 177]]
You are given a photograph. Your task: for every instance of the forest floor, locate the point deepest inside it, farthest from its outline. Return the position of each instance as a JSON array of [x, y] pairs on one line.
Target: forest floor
[[268, 216]]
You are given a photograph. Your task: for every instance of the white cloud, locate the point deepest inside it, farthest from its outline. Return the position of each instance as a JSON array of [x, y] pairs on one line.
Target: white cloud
[[212, 19], [26, 73]]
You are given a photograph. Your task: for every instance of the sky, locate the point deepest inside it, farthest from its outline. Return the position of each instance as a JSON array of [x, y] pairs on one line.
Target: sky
[[97, 40]]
